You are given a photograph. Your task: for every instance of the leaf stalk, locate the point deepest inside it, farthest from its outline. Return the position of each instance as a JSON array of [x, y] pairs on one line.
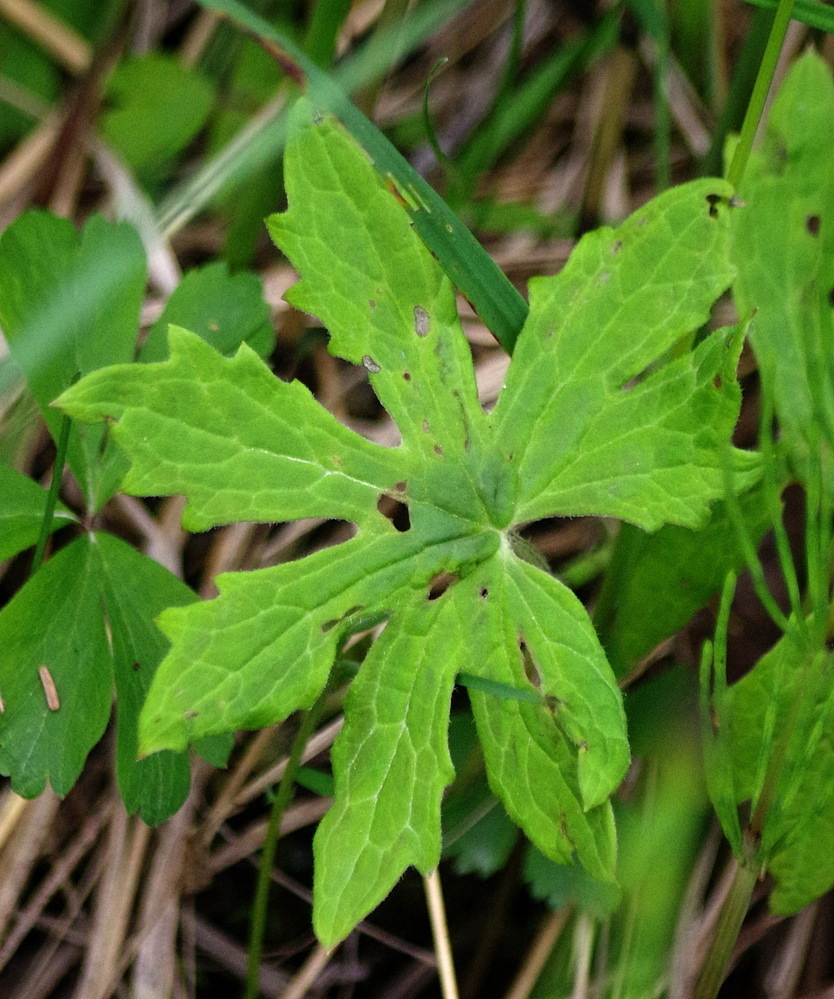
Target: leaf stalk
[[52, 495]]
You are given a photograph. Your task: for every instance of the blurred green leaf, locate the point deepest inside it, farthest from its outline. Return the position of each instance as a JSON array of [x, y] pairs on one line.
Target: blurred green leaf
[[783, 247], [781, 716], [660, 580], [155, 107], [69, 304], [560, 885], [224, 309]]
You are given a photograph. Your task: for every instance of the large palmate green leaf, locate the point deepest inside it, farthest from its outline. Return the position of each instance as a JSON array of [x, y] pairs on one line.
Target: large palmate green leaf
[[579, 427]]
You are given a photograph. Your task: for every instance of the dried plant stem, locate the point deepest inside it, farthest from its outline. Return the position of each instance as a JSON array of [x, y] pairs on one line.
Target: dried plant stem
[[541, 949], [440, 933]]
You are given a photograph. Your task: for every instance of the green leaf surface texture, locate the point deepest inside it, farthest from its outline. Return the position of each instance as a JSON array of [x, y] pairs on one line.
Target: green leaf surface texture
[[646, 454], [55, 623], [135, 590], [783, 246], [455, 595], [22, 509], [781, 716]]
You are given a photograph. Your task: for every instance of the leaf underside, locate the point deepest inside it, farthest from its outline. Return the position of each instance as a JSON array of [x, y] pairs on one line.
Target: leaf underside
[[590, 421]]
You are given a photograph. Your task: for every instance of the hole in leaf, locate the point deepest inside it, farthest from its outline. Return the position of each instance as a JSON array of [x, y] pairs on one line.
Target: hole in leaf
[[440, 583], [530, 669], [713, 201], [483, 592], [406, 376], [334, 622], [812, 224], [396, 511]]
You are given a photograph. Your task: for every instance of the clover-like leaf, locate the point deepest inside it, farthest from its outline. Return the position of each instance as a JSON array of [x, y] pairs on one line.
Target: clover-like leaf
[[591, 420]]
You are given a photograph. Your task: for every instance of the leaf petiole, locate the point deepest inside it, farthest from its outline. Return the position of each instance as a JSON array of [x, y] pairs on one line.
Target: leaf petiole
[[52, 495]]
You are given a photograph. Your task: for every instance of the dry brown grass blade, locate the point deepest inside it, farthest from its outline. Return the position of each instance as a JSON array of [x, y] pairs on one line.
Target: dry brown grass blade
[[21, 851], [229, 954], [52, 34], [540, 950], [59, 878], [123, 854], [155, 967]]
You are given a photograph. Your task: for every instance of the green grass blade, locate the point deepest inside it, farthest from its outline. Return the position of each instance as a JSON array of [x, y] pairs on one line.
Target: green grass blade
[[810, 12]]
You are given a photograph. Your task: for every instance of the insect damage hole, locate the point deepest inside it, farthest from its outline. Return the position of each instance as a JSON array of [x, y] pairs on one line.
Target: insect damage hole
[[394, 509], [812, 224], [440, 583], [713, 201]]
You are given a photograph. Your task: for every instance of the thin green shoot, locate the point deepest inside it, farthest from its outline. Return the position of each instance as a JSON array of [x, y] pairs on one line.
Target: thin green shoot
[[772, 494], [260, 903], [428, 121], [748, 550], [760, 91]]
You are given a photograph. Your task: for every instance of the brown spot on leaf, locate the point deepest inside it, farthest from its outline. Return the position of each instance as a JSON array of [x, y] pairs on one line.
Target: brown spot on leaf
[[812, 224]]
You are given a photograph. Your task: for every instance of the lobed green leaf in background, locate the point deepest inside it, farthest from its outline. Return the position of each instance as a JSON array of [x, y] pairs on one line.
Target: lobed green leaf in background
[[769, 738], [783, 246], [580, 427], [69, 303]]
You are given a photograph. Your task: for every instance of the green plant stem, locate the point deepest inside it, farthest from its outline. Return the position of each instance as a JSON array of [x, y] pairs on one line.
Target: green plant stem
[[279, 806], [52, 495], [727, 929], [760, 90]]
